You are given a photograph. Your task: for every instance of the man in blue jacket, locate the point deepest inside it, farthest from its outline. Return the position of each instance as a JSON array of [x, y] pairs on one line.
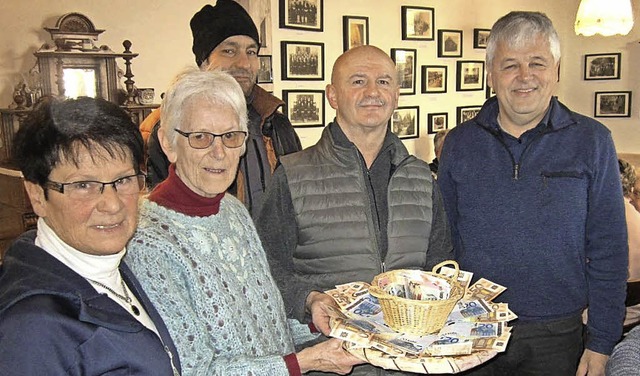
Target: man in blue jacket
[[533, 194]]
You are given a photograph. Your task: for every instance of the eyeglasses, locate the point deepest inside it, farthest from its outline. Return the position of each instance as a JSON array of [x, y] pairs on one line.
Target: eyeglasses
[[90, 190], [202, 140]]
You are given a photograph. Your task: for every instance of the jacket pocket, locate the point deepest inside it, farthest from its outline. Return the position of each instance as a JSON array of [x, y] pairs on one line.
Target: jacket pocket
[[564, 190]]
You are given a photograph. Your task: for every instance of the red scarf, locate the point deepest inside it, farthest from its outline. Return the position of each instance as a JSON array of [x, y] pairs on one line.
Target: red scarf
[[175, 195]]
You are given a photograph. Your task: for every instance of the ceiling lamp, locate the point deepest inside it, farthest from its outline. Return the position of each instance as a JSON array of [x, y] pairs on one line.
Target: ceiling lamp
[[605, 17]]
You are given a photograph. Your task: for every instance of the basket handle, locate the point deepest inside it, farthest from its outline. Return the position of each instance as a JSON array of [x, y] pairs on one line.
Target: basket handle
[[448, 263]]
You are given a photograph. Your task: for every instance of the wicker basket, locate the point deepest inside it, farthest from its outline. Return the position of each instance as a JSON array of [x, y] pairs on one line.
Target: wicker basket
[[418, 317]]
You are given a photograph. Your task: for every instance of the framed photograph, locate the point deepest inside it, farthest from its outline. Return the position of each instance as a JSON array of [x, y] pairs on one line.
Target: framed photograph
[[304, 108], [480, 37], [449, 43], [602, 66], [465, 113], [612, 104], [417, 23], [470, 75], [437, 122], [404, 122], [302, 14], [265, 72], [434, 79], [355, 31], [302, 60], [405, 60]]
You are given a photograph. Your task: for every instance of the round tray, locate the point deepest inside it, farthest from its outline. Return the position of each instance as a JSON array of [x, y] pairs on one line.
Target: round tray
[[422, 364]]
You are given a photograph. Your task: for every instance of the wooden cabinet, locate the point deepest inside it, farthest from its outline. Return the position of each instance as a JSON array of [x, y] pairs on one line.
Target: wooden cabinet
[[71, 66], [16, 214]]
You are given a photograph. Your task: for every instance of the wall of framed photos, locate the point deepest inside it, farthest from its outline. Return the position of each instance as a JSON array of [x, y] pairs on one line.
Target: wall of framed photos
[[444, 41], [443, 50]]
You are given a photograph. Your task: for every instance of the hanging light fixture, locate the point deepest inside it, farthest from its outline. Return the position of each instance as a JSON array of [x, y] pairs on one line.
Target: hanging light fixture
[[605, 17]]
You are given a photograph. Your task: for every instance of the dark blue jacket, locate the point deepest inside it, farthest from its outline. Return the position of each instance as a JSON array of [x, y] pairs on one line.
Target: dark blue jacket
[[542, 215], [53, 322]]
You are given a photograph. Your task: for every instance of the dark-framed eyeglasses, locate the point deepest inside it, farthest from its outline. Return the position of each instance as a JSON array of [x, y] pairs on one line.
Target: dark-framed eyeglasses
[[202, 140], [90, 189]]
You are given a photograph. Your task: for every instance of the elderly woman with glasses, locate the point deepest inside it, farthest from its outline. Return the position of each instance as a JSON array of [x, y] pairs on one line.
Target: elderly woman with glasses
[[68, 305], [197, 252]]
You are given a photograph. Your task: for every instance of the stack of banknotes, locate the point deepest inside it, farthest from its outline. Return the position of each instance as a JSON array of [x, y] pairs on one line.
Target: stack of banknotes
[[476, 324]]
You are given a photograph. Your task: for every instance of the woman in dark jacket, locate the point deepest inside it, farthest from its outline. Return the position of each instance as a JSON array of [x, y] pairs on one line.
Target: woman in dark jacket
[[68, 305]]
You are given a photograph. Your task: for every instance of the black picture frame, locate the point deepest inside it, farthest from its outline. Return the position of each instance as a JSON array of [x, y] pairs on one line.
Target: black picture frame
[[602, 66], [480, 37], [405, 60], [434, 79], [417, 23], [612, 104], [470, 75], [449, 43], [302, 14], [302, 60], [304, 108], [465, 113], [355, 31], [437, 122], [405, 122], [265, 69]]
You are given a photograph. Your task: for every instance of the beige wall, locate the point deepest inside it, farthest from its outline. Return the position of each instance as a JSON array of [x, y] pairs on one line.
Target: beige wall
[[159, 31]]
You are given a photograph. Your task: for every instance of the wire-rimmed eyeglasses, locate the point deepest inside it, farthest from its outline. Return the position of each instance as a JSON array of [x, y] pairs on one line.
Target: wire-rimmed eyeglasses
[[202, 140], [90, 189]]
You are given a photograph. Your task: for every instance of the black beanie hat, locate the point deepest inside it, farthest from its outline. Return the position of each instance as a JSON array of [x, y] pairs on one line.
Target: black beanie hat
[[212, 25]]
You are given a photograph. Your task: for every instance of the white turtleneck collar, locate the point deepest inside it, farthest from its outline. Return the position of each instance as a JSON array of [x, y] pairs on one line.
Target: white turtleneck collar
[[100, 268], [96, 267]]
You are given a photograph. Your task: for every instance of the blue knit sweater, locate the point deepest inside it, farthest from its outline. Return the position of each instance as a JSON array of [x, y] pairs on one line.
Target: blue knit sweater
[[542, 215], [209, 279]]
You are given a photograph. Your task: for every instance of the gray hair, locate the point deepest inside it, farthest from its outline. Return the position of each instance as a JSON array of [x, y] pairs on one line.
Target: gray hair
[[438, 139], [519, 27], [216, 87]]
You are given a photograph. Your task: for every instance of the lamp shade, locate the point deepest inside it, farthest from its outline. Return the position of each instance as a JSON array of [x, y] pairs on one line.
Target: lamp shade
[[605, 17]]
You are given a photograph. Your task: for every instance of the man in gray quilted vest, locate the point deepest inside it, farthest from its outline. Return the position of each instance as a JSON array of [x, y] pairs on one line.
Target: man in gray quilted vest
[[355, 204]]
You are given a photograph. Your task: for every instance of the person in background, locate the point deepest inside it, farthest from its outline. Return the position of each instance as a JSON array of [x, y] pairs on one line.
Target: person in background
[[197, 252], [533, 194], [625, 358], [629, 181], [225, 37], [356, 203], [438, 141], [68, 304], [634, 196]]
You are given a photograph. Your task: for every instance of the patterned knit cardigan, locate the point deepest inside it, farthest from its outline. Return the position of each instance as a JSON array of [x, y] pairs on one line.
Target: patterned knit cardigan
[[210, 280]]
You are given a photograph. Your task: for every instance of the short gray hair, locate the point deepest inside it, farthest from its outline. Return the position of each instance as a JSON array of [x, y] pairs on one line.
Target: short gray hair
[[214, 86], [438, 139], [517, 28]]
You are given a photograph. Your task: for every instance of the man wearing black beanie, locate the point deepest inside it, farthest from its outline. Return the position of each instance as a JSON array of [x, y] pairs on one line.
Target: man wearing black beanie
[[225, 37]]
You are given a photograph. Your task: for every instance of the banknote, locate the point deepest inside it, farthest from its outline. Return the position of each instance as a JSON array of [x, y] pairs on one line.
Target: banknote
[[484, 289], [465, 329], [464, 277], [468, 310], [395, 344], [416, 285], [365, 305], [449, 345], [347, 293], [492, 343], [347, 332]]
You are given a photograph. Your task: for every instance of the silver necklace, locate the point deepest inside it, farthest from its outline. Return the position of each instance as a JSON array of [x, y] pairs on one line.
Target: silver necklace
[[125, 298]]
